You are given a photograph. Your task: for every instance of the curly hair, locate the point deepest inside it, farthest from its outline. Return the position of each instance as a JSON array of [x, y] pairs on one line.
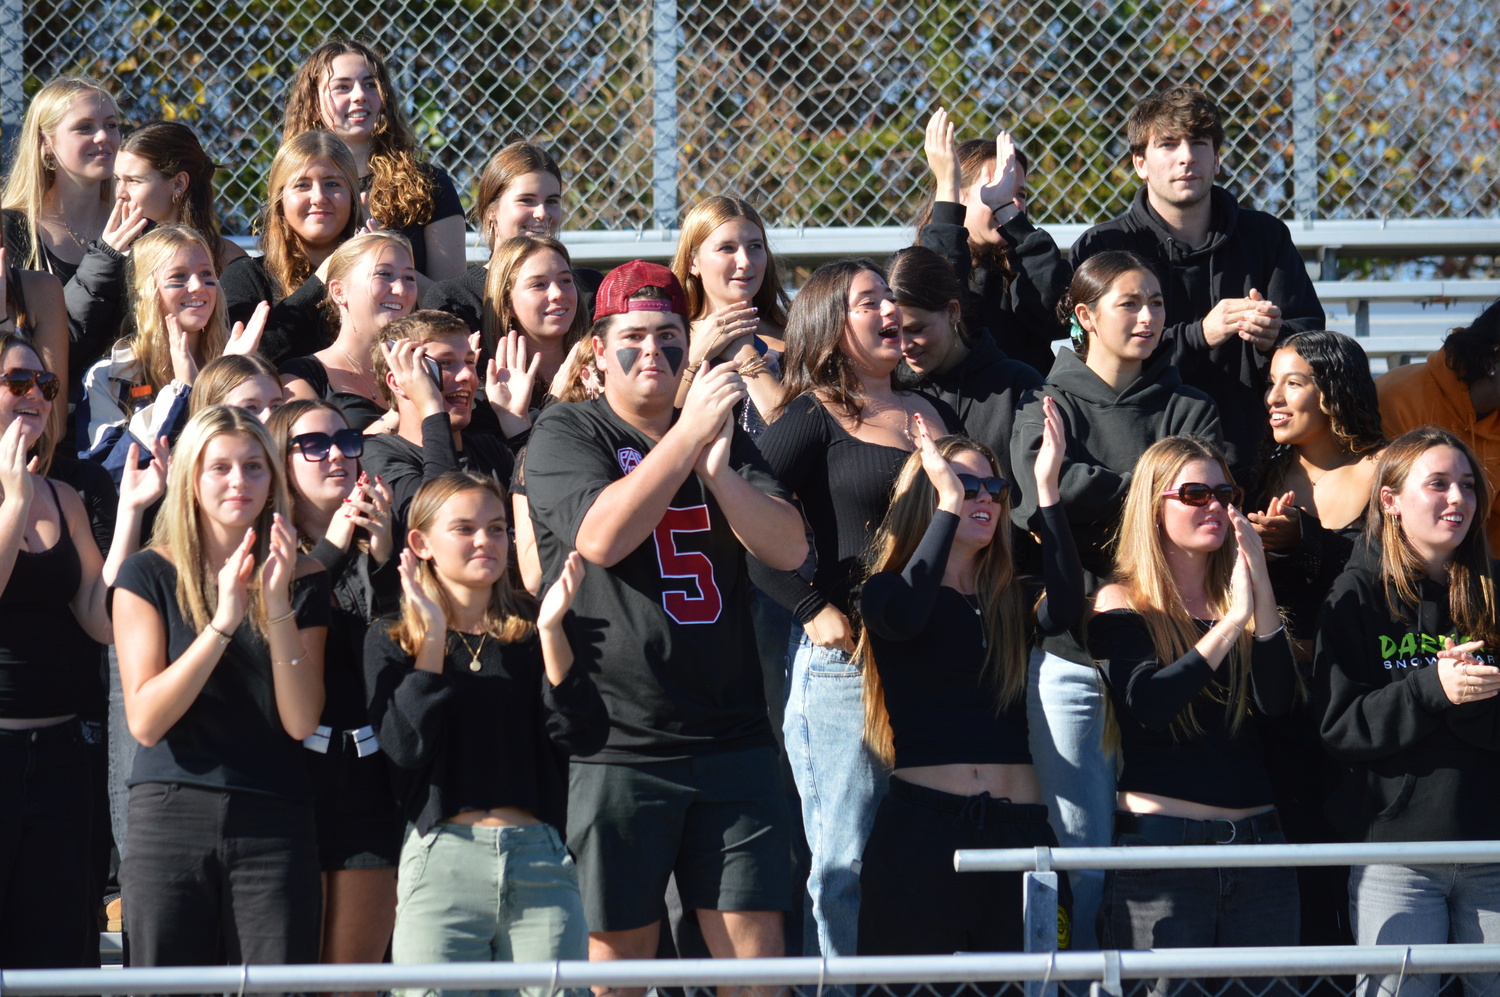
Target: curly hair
[[1471, 350]]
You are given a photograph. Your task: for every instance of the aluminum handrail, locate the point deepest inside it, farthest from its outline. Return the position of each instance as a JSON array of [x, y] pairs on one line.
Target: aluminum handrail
[[1225, 856], [1218, 962]]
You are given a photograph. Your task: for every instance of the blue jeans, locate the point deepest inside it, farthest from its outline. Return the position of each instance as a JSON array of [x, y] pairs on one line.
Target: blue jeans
[[840, 782], [1425, 905], [1065, 709]]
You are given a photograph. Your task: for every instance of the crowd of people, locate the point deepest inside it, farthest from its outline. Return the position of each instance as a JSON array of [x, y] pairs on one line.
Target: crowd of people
[[524, 612]]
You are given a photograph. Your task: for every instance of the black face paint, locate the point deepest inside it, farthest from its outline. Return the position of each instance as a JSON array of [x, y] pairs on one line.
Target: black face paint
[[673, 355], [627, 356]]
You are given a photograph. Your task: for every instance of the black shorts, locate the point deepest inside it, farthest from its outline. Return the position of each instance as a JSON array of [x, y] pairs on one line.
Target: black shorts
[[718, 821], [359, 825]]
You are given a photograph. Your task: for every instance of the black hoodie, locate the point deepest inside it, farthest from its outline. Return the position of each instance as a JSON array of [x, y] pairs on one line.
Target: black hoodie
[[1421, 767], [1245, 249]]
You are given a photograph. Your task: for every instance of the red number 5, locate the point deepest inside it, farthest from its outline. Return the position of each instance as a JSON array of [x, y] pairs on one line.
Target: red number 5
[[682, 604]]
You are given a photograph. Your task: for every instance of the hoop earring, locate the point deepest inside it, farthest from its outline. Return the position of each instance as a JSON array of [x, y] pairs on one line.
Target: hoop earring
[[49, 161], [178, 196]]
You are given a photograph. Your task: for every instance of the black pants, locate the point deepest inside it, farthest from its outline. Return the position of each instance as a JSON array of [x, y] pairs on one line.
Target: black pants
[[912, 902], [218, 876], [46, 809]]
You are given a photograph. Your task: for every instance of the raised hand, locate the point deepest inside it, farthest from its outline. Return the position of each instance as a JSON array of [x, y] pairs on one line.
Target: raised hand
[[412, 593], [1000, 192], [280, 569], [508, 381], [141, 486], [1280, 526], [184, 366], [721, 332], [941, 147], [559, 597], [950, 490], [1463, 677], [405, 361], [244, 338], [1241, 592], [15, 474], [1049, 456], [234, 583], [125, 223], [369, 506]]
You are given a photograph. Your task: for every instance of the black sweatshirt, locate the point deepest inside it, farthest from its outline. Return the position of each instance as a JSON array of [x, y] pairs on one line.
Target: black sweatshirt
[[929, 645], [1216, 767], [1023, 315], [1245, 249], [405, 465], [296, 325], [1422, 768], [463, 739]]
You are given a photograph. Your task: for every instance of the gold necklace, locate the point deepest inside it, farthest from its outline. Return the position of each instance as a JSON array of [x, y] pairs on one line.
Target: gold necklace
[[80, 243], [361, 370], [473, 651]]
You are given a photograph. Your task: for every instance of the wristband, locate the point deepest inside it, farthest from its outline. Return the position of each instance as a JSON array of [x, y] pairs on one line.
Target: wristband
[[217, 634]]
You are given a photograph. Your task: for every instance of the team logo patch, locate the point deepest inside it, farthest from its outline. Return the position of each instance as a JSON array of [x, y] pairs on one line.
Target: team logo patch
[[629, 457]]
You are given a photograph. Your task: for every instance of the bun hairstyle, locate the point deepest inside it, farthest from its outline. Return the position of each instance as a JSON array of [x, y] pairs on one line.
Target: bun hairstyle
[[921, 278], [1471, 590], [1005, 611], [705, 216], [1092, 279], [171, 148], [505, 168]]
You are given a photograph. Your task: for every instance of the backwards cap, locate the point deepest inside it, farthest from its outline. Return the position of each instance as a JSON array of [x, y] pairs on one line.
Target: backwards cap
[[613, 296]]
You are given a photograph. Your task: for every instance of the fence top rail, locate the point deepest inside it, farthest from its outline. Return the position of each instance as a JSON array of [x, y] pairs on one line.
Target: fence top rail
[[1348, 291], [1226, 855], [1257, 962]]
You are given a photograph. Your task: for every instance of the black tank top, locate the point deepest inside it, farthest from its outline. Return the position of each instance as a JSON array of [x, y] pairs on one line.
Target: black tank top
[[34, 610]]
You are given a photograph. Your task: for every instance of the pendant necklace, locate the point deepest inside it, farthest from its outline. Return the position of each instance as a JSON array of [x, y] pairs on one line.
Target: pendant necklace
[[973, 602], [473, 651], [361, 369]]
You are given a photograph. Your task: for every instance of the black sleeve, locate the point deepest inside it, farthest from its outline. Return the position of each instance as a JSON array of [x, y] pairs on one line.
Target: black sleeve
[[1290, 288], [1369, 714], [445, 199], [330, 556], [402, 473], [1476, 723], [1273, 675], [406, 703], [312, 600], [946, 235], [896, 606], [1062, 605], [309, 369], [1153, 692], [1041, 280], [796, 448], [577, 721], [95, 299], [1087, 492]]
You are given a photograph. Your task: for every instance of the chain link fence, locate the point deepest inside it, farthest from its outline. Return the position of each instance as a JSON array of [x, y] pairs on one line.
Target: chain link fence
[[814, 108]]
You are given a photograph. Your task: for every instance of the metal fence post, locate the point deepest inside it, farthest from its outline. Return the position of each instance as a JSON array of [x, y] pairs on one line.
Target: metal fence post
[[1304, 111], [1039, 908], [664, 113], [12, 99]]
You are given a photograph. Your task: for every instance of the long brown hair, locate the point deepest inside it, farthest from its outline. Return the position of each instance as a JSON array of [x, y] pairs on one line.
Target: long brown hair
[[1008, 620], [400, 193], [500, 283], [770, 300], [46, 443], [505, 168], [172, 148], [1471, 590], [286, 264], [510, 615], [1142, 569], [975, 156], [815, 324]]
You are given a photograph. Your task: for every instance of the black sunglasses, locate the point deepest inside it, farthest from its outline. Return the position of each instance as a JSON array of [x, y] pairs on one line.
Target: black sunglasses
[[998, 488], [315, 446], [1198, 494], [20, 380]]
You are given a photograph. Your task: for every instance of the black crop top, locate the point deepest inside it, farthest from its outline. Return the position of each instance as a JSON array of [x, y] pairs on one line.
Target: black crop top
[[928, 644], [1216, 768], [35, 609]]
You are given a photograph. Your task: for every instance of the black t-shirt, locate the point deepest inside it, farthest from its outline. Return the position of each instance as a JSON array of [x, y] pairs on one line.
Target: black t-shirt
[[359, 412], [296, 325], [405, 466], [445, 204], [231, 737], [666, 632]]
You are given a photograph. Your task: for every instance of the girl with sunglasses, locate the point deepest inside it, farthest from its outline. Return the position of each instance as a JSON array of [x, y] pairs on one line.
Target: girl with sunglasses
[[948, 631], [371, 283], [1192, 644], [52, 579], [221, 626], [343, 520], [1117, 394], [476, 701]]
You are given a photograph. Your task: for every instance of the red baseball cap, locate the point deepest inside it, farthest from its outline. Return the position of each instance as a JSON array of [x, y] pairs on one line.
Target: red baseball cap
[[613, 296]]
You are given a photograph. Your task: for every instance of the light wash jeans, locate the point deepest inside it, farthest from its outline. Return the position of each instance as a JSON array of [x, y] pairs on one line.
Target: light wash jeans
[[1425, 905], [840, 781], [487, 894], [1065, 704]]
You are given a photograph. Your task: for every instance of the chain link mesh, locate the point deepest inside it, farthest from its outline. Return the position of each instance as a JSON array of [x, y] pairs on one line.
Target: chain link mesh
[[814, 108]]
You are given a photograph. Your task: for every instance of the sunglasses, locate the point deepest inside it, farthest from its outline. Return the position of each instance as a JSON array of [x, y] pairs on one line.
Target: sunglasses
[[315, 446], [20, 380], [998, 488], [1197, 494]]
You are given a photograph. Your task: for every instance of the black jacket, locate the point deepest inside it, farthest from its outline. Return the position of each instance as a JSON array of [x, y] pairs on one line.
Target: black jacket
[[1421, 767], [1245, 249], [296, 326], [1021, 315]]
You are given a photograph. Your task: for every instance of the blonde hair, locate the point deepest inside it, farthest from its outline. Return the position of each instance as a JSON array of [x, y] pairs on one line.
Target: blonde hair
[[1142, 570], [223, 374], [1008, 620], [179, 527], [149, 256], [30, 176], [569, 384], [500, 283], [344, 259], [400, 193], [286, 264], [705, 216], [1471, 589], [508, 617]]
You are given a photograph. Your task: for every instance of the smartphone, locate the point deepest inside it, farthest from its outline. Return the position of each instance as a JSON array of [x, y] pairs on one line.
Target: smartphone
[[434, 372]]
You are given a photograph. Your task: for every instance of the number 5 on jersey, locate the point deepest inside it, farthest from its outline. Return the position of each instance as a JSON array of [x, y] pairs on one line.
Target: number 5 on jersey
[[701, 601]]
